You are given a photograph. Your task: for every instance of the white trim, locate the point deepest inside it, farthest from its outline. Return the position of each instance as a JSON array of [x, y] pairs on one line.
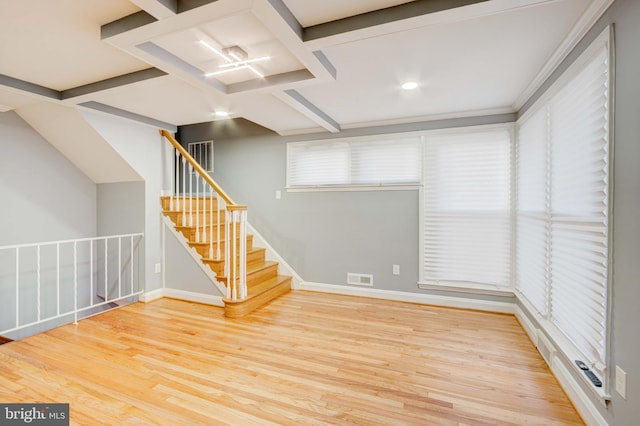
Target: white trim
[[576, 393], [272, 254], [527, 325], [603, 39], [469, 288], [189, 296], [580, 400], [431, 117], [588, 19], [206, 299], [332, 188], [152, 295], [402, 296]]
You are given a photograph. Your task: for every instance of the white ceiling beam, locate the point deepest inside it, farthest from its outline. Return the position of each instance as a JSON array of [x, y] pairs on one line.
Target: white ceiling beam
[[159, 9]]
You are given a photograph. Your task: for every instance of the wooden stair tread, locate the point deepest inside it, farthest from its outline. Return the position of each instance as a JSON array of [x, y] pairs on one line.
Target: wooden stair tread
[[249, 252], [258, 297], [258, 289]]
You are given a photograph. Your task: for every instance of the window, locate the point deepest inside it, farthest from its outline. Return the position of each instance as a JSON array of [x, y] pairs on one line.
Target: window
[[202, 152], [356, 162], [466, 225], [563, 207]]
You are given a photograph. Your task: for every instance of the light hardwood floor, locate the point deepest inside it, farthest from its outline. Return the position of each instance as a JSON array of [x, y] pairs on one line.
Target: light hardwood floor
[[306, 358]]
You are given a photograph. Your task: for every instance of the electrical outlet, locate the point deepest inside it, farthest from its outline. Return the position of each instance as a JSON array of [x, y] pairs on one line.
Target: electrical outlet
[[278, 194], [158, 268], [621, 382], [396, 269]]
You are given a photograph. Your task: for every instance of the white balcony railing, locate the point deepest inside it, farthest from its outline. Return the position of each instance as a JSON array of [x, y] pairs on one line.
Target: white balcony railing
[[43, 285]]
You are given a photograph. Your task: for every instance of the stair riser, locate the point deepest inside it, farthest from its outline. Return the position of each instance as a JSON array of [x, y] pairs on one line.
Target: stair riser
[[179, 204], [204, 248], [190, 233], [202, 217], [262, 275], [256, 277], [243, 308], [254, 258]]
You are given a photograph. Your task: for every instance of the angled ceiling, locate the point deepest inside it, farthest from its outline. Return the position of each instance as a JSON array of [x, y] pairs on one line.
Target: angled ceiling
[[293, 66]]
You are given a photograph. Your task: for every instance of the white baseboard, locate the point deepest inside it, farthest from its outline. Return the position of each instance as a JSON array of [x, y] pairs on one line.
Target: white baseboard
[[401, 296], [572, 388], [206, 299], [150, 296], [581, 401]]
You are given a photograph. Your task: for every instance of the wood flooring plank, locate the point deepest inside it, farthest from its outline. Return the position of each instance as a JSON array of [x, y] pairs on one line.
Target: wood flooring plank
[[306, 358]]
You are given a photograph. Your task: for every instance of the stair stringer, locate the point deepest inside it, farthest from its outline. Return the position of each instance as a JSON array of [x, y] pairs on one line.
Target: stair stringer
[[271, 254], [168, 224]]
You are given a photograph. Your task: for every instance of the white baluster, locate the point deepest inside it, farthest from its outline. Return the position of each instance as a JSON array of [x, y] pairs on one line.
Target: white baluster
[[204, 210], [106, 268], [90, 273], [38, 303], [218, 214], [197, 208], [176, 182], [171, 193], [210, 222], [227, 266], [184, 191], [190, 195], [17, 287], [58, 276], [75, 282], [234, 290], [119, 267], [131, 262], [243, 254]]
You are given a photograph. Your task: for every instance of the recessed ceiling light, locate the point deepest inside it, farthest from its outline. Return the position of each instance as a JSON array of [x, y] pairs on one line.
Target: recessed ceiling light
[[222, 113], [409, 85]]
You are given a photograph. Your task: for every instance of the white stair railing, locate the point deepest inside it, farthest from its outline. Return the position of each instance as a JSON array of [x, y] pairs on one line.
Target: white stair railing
[[212, 206], [51, 283]]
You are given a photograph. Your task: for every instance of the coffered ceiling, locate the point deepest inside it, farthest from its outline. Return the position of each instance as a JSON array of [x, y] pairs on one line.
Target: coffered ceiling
[[293, 66]]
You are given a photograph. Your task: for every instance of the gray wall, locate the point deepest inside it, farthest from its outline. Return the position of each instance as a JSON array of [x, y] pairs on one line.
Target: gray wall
[[44, 197], [182, 272], [324, 235], [120, 208]]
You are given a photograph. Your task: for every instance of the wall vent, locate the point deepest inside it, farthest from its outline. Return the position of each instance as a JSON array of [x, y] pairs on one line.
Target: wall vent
[[546, 349], [360, 279]]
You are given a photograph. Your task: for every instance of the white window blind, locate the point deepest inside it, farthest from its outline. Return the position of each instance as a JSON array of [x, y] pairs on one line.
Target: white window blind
[[579, 206], [395, 161], [467, 208], [562, 256], [533, 220]]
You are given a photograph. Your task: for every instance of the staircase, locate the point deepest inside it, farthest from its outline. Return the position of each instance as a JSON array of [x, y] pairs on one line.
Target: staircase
[[215, 227]]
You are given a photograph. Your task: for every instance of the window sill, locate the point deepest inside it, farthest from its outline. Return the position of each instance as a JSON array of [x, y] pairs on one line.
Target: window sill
[[333, 188], [469, 288]]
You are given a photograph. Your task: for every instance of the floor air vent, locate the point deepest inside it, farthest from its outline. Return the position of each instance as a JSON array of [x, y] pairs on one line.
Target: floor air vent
[[545, 348], [359, 279]]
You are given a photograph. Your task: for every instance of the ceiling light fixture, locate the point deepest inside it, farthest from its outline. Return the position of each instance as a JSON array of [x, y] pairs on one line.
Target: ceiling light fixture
[[246, 61], [214, 50], [409, 85], [236, 59], [221, 113]]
